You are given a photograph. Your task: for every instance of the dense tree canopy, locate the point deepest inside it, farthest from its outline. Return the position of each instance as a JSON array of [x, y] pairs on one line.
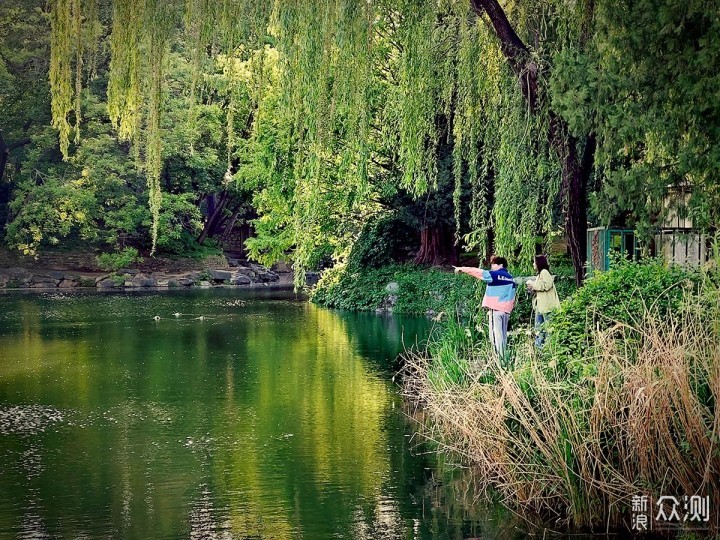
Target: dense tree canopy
[[315, 118]]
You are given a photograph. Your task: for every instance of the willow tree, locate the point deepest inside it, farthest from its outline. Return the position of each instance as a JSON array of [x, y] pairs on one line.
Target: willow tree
[[550, 26], [362, 88], [625, 88], [352, 78]]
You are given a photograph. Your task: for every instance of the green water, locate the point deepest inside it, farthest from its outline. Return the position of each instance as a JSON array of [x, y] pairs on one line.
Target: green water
[[269, 418]]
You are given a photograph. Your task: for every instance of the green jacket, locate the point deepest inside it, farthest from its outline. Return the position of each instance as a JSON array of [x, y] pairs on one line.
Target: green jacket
[[546, 296]]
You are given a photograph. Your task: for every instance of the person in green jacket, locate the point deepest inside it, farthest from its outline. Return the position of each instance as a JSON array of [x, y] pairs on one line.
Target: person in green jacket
[[545, 298]]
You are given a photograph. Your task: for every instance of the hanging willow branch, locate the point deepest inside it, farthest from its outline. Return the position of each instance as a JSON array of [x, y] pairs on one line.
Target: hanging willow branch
[[153, 158], [124, 94], [421, 69], [74, 32], [77, 31], [61, 87]]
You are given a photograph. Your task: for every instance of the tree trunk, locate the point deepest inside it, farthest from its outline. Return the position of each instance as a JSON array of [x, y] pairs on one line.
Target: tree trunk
[[5, 150], [574, 173], [489, 248], [214, 219], [4, 153], [576, 208], [437, 247]]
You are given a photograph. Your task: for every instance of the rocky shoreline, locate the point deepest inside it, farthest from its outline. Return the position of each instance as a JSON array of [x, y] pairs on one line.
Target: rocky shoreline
[[245, 274]]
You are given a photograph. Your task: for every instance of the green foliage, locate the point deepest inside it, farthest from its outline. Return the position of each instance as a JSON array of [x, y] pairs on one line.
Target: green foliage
[[644, 84], [418, 290], [86, 282], [99, 194], [454, 344], [382, 242], [651, 354], [618, 296], [118, 279], [323, 112], [185, 245], [125, 258], [205, 275], [51, 211]]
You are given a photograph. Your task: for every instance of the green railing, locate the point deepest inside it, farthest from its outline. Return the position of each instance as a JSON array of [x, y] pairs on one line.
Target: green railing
[[601, 242], [677, 245]]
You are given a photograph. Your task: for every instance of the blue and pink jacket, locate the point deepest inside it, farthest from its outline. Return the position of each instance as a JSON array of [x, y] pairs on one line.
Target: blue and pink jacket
[[500, 290]]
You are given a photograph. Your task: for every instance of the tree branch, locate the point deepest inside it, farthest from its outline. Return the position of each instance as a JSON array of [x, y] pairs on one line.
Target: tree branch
[[513, 48], [510, 43], [574, 172]]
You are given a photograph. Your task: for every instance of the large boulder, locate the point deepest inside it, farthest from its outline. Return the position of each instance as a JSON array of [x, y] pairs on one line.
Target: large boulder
[[43, 282], [15, 277], [393, 287], [267, 276], [141, 280], [249, 272], [240, 279], [220, 276], [311, 278], [45, 278]]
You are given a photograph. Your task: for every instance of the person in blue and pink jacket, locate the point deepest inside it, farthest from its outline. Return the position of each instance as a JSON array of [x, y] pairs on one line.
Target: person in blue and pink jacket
[[499, 299]]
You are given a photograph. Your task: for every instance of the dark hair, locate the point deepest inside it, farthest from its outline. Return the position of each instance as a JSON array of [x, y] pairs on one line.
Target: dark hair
[[542, 263], [498, 260]]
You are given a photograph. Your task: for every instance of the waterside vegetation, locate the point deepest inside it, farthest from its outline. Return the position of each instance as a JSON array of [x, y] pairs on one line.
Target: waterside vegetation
[[376, 139], [620, 403]]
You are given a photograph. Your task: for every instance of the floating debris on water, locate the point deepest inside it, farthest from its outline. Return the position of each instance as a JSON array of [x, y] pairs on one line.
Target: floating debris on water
[[28, 419]]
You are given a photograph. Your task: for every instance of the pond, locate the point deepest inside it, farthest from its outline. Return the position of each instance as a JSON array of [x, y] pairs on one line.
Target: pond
[[209, 414]]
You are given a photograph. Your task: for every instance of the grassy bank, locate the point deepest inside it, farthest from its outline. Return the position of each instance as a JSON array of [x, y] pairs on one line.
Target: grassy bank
[[620, 403], [406, 289], [416, 290]]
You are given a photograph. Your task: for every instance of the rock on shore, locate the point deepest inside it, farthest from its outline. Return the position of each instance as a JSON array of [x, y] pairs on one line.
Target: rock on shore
[[244, 274]]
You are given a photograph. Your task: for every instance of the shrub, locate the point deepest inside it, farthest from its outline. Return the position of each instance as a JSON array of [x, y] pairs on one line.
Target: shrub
[[419, 290], [621, 295], [112, 262], [86, 282], [185, 244], [205, 275], [577, 451]]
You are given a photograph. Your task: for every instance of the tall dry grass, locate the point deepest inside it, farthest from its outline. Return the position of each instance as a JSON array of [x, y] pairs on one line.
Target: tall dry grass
[[577, 452]]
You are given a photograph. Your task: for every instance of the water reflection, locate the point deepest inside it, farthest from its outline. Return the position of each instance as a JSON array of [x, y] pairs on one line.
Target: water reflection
[[269, 418]]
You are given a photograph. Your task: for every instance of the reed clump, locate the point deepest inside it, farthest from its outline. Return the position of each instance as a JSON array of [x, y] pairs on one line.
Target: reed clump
[[575, 450]]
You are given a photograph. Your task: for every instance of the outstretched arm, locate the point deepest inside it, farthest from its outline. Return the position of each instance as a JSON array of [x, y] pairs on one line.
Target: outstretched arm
[[478, 273]]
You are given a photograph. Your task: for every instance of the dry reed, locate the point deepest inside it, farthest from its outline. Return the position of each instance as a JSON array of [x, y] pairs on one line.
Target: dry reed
[[575, 453]]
